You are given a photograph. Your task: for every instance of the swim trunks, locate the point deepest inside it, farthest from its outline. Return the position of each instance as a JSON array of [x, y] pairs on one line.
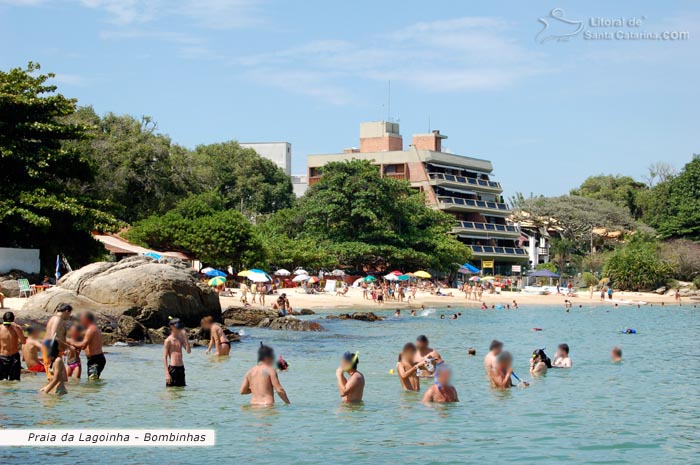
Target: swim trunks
[[177, 376], [10, 367], [95, 365], [38, 368]]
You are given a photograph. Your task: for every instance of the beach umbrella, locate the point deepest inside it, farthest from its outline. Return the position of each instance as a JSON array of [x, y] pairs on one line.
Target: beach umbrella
[[391, 277], [217, 281], [258, 277], [337, 272], [475, 279], [299, 271], [422, 274], [313, 279], [488, 278], [206, 270], [282, 272], [396, 273], [255, 270], [152, 255], [403, 277], [471, 268], [244, 273], [300, 278], [370, 279], [214, 273]]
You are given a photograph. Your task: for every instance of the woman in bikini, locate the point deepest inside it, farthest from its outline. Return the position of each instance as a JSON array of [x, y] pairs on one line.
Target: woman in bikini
[[217, 338], [73, 366]]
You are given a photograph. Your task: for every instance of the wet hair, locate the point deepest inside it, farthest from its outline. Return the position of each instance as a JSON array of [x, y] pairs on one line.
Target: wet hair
[[64, 308], [352, 359], [471, 351], [565, 348], [8, 318], [617, 351], [543, 357], [265, 352], [496, 344], [422, 338], [89, 316]]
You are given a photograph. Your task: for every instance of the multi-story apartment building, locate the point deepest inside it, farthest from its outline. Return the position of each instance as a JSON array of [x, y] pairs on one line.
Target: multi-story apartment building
[[459, 185]]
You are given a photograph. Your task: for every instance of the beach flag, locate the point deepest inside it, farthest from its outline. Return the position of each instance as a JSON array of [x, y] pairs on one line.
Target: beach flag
[[58, 267]]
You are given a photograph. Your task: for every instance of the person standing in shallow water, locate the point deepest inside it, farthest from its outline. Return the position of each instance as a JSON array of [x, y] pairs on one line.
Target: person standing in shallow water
[[11, 336], [442, 392], [351, 388], [262, 381], [217, 337], [92, 345], [172, 354], [406, 369]]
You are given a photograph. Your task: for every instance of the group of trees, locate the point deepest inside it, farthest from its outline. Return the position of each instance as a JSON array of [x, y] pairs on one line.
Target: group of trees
[[67, 172], [658, 218]]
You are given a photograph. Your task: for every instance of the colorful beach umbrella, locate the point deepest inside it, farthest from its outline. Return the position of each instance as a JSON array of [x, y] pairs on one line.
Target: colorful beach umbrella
[[396, 272], [422, 274], [471, 268], [391, 277], [404, 277], [475, 278], [214, 273], [217, 281], [313, 279], [369, 279]]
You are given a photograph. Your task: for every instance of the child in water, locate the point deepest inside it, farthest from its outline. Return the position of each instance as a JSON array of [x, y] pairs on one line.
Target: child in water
[[57, 369], [407, 370], [442, 392], [172, 354], [74, 367]]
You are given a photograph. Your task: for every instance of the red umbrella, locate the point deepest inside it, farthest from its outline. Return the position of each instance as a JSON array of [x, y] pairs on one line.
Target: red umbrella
[[313, 280], [396, 272]]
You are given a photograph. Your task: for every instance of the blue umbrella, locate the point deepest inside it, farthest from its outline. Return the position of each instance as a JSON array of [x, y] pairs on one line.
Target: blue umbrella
[[215, 273], [153, 255], [471, 268], [404, 277]]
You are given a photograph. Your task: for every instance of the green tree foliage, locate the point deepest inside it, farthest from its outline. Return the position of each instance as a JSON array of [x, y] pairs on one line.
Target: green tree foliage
[[357, 218], [674, 205], [42, 203], [637, 265], [620, 190], [200, 225], [243, 179]]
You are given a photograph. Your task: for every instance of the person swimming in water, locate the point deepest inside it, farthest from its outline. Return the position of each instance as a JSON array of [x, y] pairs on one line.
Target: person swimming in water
[[11, 337], [616, 355], [502, 370], [261, 381], [32, 350], [495, 349], [442, 392], [73, 366], [561, 358], [217, 338], [351, 388], [426, 356], [539, 362], [57, 383], [407, 369], [172, 354]]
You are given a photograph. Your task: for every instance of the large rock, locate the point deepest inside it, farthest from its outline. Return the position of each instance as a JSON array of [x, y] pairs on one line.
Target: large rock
[[290, 324], [9, 285], [361, 316], [149, 291], [130, 328], [246, 316]]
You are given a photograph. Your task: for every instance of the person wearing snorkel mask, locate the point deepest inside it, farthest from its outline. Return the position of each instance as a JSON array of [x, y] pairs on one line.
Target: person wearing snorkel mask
[[262, 381], [539, 363], [442, 392], [426, 356], [352, 387]]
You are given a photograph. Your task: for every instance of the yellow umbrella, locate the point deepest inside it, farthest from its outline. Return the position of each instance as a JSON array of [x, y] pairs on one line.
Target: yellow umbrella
[[488, 278], [245, 273], [218, 281], [422, 274]]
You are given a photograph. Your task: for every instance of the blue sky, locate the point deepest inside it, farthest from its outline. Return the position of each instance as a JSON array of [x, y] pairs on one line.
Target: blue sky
[[547, 114]]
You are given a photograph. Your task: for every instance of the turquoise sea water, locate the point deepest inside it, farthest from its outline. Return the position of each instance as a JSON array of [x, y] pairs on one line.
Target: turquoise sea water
[[644, 410]]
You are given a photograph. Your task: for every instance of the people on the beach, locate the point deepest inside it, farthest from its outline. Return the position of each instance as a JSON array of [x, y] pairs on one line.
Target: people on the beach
[[73, 366], [616, 354], [57, 382], [495, 349], [501, 371], [442, 391], [261, 381], [539, 362], [351, 388], [427, 356], [32, 350], [11, 337], [561, 358], [282, 305], [92, 345], [217, 338], [407, 369], [172, 354]]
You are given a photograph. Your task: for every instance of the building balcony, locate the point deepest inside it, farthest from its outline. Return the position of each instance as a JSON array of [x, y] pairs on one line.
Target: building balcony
[[487, 228], [458, 203], [491, 186], [491, 250]]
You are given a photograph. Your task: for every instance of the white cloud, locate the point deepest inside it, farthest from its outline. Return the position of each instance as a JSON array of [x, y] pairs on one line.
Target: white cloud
[[462, 54], [75, 80]]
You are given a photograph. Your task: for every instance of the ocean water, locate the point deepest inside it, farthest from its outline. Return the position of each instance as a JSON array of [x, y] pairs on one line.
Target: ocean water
[[644, 410]]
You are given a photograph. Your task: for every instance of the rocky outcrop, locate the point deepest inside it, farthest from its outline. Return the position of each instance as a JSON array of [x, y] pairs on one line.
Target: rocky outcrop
[[291, 324], [360, 316], [148, 291], [246, 316], [9, 285]]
